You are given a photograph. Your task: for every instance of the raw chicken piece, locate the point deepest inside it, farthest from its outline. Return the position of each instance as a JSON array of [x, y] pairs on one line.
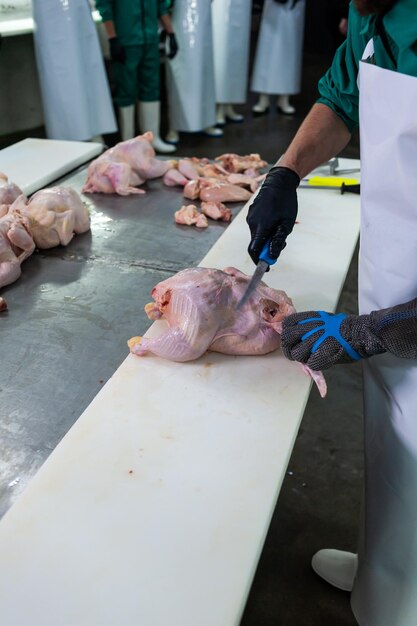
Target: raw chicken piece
[[16, 244], [192, 189], [244, 181], [235, 163], [216, 211], [174, 178], [213, 190], [186, 167], [125, 166], [3, 305], [199, 305], [54, 215], [8, 194], [190, 216]]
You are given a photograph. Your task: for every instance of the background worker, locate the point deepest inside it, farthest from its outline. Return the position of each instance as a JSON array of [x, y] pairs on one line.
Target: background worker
[[132, 30]]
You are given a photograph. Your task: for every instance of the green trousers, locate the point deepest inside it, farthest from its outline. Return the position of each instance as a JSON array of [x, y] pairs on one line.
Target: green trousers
[[138, 77]]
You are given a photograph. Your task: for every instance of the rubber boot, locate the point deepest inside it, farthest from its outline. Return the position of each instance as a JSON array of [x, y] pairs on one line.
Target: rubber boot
[[212, 131], [284, 106], [127, 122], [149, 119], [97, 139], [336, 567], [221, 114], [262, 106], [172, 136], [232, 115]]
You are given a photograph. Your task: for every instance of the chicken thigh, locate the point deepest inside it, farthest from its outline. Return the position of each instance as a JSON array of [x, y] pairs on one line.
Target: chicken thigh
[[200, 306], [16, 244], [8, 193]]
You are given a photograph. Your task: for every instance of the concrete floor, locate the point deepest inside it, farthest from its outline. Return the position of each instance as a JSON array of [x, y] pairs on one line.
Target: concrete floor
[[320, 499]]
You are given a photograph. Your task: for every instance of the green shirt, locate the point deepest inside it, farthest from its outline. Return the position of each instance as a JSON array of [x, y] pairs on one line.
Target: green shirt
[[135, 21], [339, 88]]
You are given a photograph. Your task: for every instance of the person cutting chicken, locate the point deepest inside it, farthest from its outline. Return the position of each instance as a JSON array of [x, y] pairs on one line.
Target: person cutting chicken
[[372, 82]]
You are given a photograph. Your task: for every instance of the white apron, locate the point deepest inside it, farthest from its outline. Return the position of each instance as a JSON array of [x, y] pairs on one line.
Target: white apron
[[385, 590], [278, 58], [231, 38], [190, 75], [75, 93]]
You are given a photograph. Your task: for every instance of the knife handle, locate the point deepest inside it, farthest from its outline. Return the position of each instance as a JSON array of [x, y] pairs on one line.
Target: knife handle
[[264, 256]]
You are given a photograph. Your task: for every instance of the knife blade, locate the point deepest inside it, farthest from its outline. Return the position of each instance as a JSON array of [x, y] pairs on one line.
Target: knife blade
[[264, 262]]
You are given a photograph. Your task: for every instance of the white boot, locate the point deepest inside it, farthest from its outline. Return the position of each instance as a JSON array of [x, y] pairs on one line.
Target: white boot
[[149, 119], [212, 131], [232, 115], [127, 122], [284, 106], [97, 139], [262, 105], [221, 114], [336, 567], [172, 136]]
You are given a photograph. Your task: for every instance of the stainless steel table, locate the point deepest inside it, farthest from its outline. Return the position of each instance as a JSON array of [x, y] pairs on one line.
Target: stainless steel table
[[71, 313]]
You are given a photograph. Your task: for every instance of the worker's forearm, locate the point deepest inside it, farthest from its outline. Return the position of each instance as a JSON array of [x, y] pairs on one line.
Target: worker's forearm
[[320, 137], [110, 29], [167, 23]]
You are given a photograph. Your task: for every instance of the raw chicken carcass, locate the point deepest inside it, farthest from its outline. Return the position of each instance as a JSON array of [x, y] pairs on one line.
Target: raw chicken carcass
[[54, 215], [190, 216], [8, 193], [16, 244], [125, 166], [216, 211], [200, 304]]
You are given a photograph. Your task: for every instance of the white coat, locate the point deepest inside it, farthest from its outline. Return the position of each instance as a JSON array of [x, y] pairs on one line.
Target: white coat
[[278, 58], [190, 75], [75, 93], [231, 38]]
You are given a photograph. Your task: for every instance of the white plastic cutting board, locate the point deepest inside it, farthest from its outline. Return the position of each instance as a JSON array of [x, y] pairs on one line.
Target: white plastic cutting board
[[34, 163], [153, 509]]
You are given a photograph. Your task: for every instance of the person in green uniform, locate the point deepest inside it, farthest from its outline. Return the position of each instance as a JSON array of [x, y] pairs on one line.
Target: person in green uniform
[[132, 30], [372, 83]]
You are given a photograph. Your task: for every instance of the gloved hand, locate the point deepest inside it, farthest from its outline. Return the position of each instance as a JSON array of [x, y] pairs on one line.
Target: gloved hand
[[273, 213], [171, 45], [321, 339], [117, 51]]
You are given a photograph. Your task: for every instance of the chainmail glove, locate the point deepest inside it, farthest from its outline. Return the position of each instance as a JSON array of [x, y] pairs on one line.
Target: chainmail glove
[[273, 213], [321, 339]]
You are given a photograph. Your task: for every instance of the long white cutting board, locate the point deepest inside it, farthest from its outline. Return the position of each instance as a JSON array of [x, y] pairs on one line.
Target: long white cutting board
[[154, 508], [34, 163]]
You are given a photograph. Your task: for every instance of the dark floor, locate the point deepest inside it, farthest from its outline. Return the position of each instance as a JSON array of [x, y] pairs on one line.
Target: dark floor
[[320, 499]]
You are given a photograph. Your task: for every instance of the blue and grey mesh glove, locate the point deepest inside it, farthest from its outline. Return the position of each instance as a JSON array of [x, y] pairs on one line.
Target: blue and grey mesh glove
[[321, 339], [273, 212]]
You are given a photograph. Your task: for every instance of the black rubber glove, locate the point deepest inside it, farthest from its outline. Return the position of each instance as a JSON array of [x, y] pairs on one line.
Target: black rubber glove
[[322, 339], [117, 51], [171, 45], [273, 213]]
